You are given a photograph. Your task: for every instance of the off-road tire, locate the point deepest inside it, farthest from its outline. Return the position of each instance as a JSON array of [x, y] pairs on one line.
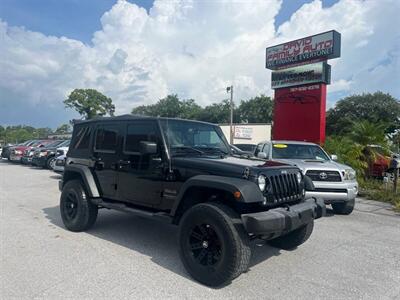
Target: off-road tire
[[294, 238], [48, 163], [343, 208], [235, 252], [82, 214]]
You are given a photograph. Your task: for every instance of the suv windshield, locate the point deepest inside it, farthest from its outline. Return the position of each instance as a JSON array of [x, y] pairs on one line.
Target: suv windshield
[[298, 151], [193, 137]]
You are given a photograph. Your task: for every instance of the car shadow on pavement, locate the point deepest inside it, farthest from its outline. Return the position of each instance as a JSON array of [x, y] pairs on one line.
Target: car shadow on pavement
[[148, 237]]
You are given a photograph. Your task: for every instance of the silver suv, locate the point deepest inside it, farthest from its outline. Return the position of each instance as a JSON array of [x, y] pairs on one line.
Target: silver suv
[[334, 182]]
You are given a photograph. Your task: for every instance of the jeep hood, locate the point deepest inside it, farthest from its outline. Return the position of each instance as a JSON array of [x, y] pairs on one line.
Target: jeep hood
[[223, 166]]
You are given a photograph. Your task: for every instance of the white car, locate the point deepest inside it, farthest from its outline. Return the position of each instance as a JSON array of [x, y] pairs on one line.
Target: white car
[[59, 164]]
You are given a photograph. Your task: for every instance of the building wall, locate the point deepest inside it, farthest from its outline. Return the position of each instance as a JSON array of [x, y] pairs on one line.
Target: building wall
[[248, 133]]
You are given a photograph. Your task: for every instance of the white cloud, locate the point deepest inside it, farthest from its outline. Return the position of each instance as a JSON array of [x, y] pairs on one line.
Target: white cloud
[[196, 49]]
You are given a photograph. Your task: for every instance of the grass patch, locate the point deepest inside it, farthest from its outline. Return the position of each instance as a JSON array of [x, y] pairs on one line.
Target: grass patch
[[379, 191]]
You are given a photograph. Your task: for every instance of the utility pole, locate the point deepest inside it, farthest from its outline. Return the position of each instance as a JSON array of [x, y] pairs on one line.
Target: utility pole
[[230, 89]]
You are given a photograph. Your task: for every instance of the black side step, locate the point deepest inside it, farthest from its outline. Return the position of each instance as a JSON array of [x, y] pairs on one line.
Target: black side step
[[161, 216]]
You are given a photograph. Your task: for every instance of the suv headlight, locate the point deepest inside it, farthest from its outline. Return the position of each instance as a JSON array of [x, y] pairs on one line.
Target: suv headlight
[[298, 175], [349, 174], [261, 182], [43, 153]]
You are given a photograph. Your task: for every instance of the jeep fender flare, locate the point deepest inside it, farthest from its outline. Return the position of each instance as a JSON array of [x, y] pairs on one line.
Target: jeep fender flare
[[249, 191], [86, 175]]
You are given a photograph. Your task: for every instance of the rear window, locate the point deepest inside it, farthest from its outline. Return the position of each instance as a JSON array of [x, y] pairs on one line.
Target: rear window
[[82, 138], [106, 139]]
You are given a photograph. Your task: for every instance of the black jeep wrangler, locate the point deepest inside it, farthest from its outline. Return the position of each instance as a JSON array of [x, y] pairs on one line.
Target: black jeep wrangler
[[185, 173]]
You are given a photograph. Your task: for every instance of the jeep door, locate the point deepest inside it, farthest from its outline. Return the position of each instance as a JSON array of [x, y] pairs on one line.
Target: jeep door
[[107, 139], [140, 176]]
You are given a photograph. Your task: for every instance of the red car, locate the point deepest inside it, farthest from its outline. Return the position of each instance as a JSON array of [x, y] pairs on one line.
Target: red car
[[17, 152]]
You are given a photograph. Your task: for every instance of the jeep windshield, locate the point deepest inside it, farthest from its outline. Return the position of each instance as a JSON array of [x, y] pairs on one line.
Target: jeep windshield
[[298, 151], [193, 138]]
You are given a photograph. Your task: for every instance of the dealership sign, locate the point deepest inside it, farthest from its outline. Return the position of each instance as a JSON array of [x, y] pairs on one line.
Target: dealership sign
[[314, 48], [312, 73], [242, 132]]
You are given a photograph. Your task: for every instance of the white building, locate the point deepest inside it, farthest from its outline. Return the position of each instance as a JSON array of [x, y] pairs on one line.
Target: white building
[[252, 133]]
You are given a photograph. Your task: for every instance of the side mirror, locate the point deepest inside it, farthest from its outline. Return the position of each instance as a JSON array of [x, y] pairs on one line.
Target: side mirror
[[334, 157], [262, 155], [148, 147]]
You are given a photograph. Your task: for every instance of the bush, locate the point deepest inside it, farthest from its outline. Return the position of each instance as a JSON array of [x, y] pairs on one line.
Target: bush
[[376, 190]]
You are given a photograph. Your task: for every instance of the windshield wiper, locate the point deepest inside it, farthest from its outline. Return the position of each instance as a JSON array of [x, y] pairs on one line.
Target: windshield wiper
[[213, 149], [180, 148]]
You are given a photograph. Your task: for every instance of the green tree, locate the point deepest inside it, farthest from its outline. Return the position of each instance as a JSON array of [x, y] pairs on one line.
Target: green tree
[[256, 110], [219, 113], [63, 129], [89, 103], [376, 108], [170, 106]]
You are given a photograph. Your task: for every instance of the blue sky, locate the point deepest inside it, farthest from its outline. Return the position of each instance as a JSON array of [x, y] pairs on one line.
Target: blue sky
[[137, 57], [78, 19]]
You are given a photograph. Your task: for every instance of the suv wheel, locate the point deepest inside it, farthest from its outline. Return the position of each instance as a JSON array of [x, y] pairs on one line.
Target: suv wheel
[[343, 208], [50, 163], [294, 238], [213, 250], [77, 212]]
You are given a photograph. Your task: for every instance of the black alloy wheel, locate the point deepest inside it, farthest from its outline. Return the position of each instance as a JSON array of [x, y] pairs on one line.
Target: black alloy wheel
[[78, 213], [213, 249], [205, 245]]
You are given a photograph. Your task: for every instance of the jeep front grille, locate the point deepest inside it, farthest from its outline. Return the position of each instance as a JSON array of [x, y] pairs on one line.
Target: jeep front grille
[[282, 188], [322, 175]]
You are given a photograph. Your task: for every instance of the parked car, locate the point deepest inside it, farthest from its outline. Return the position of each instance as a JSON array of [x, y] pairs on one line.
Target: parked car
[[17, 151], [44, 157], [334, 182], [249, 148], [30, 149], [7, 149], [59, 163], [184, 173]]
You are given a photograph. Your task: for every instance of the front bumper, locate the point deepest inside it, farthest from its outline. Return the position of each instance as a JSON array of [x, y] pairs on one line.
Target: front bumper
[[14, 157], [26, 160], [39, 161], [281, 220], [333, 192]]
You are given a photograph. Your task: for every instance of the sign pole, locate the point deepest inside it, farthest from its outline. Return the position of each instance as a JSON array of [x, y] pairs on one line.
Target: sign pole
[[230, 89]]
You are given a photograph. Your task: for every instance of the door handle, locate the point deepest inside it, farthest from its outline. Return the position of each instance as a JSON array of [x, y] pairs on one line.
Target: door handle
[[124, 162]]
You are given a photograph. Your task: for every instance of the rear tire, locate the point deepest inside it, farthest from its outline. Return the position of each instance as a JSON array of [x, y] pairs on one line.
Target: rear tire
[[78, 213], [213, 249], [294, 238], [343, 208]]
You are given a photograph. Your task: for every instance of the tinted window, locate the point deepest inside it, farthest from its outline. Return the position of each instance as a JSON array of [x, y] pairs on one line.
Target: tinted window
[[106, 138], [137, 132], [82, 139], [298, 151]]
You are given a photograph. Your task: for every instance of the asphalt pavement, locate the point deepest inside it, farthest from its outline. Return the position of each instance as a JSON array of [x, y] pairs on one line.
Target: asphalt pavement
[[124, 256]]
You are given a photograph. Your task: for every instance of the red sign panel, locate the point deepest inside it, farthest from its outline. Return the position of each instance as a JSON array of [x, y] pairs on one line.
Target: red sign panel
[[299, 113], [309, 49]]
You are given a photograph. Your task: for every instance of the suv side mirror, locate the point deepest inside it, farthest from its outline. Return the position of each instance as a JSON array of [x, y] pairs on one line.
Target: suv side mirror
[[334, 157], [262, 155], [147, 147]]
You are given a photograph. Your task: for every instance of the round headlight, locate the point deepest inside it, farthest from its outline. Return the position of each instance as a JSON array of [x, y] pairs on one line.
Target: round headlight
[[261, 182], [298, 177]]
